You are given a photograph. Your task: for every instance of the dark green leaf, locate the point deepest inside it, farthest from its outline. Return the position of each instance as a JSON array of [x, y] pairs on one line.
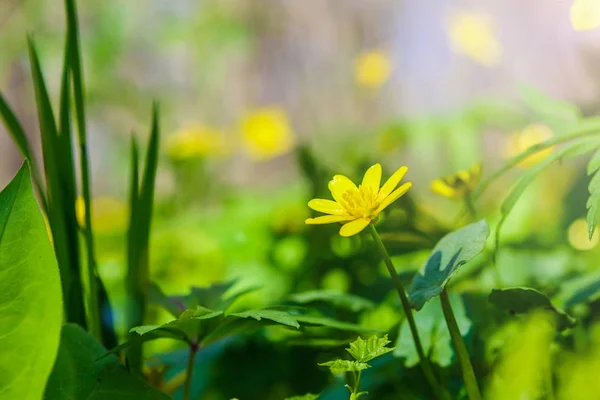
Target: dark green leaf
[[343, 300], [343, 366], [324, 322], [281, 317], [522, 300], [80, 374], [366, 350], [434, 333], [30, 295], [454, 250]]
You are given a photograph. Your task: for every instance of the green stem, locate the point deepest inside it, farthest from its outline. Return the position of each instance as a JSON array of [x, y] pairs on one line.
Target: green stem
[[470, 207], [423, 360], [189, 372], [460, 349]]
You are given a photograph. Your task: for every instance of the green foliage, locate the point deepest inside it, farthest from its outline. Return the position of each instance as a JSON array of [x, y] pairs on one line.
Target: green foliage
[[307, 396], [342, 300], [365, 350], [30, 294], [343, 366], [524, 300], [454, 250], [593, 202], [557, 113], [434, 333], [81, 373]]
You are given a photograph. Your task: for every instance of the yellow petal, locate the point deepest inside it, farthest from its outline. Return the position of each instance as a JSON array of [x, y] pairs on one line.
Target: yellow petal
[[339, 185], [372, 178], [391, 183], [354, 227], [585, 15], [328, 219], [440, 187], [395, 195], [327, 206]]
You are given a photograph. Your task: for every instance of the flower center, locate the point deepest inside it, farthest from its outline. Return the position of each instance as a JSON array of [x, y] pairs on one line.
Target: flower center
[[361, 202]]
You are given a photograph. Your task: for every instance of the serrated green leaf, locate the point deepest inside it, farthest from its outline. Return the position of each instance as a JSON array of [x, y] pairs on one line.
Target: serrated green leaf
[[454, 250], [593, 202], [325, 322], [523, 300], [434, 333], [30, 293], [307, 396], [343, 366], [366, 350], [594, 163], [81, 373], [281, 317], [343, 300]]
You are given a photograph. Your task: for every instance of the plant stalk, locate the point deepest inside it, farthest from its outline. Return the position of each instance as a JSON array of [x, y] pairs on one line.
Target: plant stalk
[[423, 360], [189, 372], [460, 349]]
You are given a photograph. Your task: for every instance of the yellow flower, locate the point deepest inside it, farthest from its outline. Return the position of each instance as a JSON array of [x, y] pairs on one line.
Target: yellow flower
[[585, 15], [372, 69], [472, 34], [109, 214], [530, 136], [267, 133], [579, 237], [458, 185], [195, 142], [354, 206]]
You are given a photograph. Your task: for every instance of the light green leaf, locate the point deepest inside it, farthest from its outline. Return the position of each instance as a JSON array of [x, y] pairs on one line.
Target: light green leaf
[[30, 294], [343, 300], [593, 202], [557, 113], [80, 374], [307, 396], [523, 300], [281, 317], [434, 333], [366, 350], [343, 366], [454, 250]]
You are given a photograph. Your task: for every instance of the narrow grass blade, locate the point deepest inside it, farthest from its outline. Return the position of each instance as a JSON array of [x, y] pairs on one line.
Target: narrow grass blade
[[17, 133], [141, 201], [93, 311], [66, 254]]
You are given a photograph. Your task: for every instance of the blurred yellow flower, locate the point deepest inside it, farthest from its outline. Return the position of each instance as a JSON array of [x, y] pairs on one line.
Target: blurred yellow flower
[[358, 206], [578, 235], [530, 136], [195, 142], [109, 215], [472, 34], [585, 15], [267, 133], [458, 185], [372, 69]]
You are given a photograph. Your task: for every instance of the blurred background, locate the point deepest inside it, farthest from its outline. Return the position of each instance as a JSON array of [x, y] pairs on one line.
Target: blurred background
[[263, 101]]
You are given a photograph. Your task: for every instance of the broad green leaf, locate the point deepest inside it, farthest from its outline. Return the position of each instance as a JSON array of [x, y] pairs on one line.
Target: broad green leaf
[[30, 294], [434, 333], [557, 113], [325, 322], [343, 300], [343, 366], [366, 350], [307, 396], [454, 250], [593, 202], [521, 300], [81, 372]]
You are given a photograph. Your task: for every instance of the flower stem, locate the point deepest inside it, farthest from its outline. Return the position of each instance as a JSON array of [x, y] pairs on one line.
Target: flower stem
[[189, 371], [470, 207], [461, 350], [423, 360]]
